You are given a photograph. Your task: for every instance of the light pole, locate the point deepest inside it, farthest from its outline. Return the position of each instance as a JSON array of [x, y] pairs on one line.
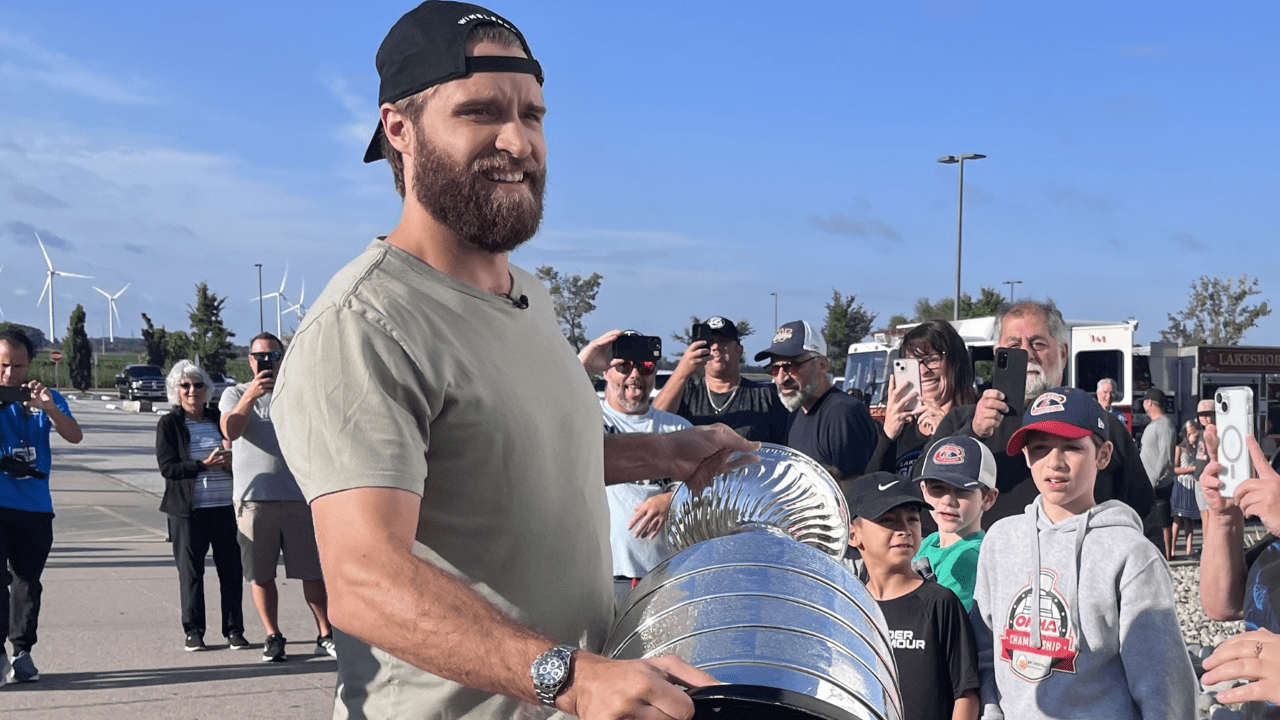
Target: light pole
[[259, 266], [952, 160], [775, 311], [1011, 283]]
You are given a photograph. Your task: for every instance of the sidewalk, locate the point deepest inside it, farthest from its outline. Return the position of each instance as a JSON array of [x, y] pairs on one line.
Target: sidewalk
[[110, 636]]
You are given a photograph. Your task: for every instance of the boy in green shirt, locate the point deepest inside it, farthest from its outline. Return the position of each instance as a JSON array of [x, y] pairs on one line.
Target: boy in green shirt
[[959, 482]]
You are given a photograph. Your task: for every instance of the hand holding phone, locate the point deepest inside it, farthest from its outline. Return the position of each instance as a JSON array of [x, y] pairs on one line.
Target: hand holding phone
[[1233, 408], [906, 374], [1010, 378]]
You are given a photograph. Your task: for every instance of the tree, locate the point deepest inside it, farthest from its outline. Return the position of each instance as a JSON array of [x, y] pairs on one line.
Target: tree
[[209, 337], [847, 323], [78, 351], [685, 336], [988, 303], [573, 299], [1216, 312], [157, 342]]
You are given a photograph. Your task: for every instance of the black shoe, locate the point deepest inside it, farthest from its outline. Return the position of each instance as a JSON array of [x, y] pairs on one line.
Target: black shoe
[[237, 642], [273, 649], [195, 642], [325, 646]]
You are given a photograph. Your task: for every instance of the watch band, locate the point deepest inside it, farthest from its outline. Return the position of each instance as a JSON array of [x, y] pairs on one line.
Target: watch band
[[550, 672]]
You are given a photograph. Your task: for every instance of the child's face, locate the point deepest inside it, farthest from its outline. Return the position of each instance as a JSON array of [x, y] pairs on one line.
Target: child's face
[[1064, 471], [891, 539], [955, 510]]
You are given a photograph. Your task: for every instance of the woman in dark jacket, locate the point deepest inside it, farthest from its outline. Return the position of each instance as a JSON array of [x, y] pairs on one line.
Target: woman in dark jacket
[[197, 497]]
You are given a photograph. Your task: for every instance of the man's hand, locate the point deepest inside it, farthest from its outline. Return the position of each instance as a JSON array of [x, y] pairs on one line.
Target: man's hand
[[896, 417], [41, 398], [650, 516], [1259, 496], [596, 355], [990, 410], [695, 356], [1251, 656], [653, 689], [262, 383], [701, 453]]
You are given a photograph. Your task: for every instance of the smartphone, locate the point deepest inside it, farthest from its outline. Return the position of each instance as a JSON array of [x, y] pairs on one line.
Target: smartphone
[[265, 365], [641, 348], [1233, 407], [13, 394], [906, 371], [700, 331], [1010, 377]]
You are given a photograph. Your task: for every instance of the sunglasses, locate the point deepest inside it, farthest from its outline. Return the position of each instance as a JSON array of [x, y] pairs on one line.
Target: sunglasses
[[790, 368], [646, 367], [273, 356], [189, 385]]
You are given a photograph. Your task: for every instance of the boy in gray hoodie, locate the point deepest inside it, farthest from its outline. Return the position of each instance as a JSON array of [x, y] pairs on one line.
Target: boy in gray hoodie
[[1073, 608]]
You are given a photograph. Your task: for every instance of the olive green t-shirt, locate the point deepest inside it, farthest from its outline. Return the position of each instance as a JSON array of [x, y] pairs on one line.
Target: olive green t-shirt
[[401, 376]]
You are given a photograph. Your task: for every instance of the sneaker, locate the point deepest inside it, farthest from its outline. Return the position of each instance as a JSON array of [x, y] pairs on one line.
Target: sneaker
[[24, 669], [273, 649], [325, 646], [195, 642], [237, 642]]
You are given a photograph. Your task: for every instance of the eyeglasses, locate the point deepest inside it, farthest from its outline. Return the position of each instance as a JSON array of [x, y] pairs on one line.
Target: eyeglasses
[[646, 367], [931, 361], [189, 385], [274, 356], [790, 368]]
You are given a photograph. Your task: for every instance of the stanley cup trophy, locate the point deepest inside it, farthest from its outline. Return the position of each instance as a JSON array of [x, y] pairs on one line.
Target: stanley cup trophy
[[756, 596]]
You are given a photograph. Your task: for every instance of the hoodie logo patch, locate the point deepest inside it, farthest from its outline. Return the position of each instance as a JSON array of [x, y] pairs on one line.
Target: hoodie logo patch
[[1049, 403], [949, 455], [1057, 649]]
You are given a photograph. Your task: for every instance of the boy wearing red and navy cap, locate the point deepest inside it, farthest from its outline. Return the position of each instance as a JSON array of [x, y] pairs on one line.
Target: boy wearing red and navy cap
[[959, 483], [1073, 608]]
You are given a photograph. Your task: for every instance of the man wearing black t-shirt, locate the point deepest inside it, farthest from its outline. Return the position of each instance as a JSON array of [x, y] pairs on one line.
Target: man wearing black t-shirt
[[829, 426], [722, 395]]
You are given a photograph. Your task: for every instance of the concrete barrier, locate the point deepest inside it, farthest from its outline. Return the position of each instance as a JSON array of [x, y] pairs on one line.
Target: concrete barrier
[[136, 406]]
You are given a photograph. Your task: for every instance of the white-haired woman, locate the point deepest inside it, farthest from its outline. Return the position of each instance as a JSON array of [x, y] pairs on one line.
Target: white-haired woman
[[197, 498]]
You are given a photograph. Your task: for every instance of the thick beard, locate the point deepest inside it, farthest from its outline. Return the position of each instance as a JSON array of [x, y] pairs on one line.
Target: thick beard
[[1042, 382], [457, 197], [808, 391]]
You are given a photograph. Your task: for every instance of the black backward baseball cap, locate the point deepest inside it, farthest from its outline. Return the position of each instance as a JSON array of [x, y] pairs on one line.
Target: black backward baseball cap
[[427, 47]]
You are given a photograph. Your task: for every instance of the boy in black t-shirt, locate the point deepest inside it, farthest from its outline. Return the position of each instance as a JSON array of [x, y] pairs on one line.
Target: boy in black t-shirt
[[929, 632]]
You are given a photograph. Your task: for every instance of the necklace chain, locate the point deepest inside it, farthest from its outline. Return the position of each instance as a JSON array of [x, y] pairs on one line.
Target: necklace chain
[[719, 409]]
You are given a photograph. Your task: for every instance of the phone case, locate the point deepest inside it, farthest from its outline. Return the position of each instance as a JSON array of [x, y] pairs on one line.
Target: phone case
[[907, 371], [1010, 377], [1233, 407]]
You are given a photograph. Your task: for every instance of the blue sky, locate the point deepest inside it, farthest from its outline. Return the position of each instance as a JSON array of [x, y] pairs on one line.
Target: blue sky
[[702, 155]]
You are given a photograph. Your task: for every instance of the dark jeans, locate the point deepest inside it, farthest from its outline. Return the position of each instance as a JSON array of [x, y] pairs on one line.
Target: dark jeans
[[25, 540], [192, 537]]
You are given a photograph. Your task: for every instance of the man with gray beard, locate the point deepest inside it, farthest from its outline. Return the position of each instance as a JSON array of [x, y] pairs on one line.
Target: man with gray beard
[[1039, 329], [833, 428]]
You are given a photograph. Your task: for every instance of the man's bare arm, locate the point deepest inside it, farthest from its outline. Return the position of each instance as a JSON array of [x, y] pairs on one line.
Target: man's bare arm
[[384, 595], [695, 356], [1222, 570], [693, 456]]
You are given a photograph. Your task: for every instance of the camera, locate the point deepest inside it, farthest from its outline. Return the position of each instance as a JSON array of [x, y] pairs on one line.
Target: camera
[[641, 348], [18, 469], [13, 394]]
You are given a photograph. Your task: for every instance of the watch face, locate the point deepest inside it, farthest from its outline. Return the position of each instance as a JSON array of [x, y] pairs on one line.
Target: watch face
[[550, 669]]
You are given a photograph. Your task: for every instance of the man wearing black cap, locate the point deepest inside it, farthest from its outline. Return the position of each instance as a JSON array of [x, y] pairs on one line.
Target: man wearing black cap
[[722, 395], [1158, 441], [443, 430], [829, 426]]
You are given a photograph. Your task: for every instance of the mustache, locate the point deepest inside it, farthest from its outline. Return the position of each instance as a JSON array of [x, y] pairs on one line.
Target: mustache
[[506, 162]]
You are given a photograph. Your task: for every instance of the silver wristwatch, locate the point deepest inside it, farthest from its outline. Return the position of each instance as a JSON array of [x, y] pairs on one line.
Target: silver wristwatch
[[550, 671]]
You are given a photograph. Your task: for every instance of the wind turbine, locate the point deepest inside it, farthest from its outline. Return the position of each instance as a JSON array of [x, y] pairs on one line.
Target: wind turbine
[[279, 296], [1, 309], [298, 308], [111, 308], [48, 284]]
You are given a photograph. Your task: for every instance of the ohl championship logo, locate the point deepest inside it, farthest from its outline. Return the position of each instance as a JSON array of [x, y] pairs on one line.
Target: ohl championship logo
[[1057, 651]]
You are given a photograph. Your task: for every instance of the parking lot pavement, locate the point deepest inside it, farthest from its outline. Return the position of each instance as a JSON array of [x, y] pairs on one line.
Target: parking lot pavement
[[110, 643]]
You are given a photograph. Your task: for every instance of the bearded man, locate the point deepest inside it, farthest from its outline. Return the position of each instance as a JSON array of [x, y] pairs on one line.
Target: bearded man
[[1039, 329], [445, 434], [829, 426]]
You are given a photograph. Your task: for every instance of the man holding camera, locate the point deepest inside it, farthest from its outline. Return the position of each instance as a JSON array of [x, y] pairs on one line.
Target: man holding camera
[[721, 394], [271, 512], [30, 411]]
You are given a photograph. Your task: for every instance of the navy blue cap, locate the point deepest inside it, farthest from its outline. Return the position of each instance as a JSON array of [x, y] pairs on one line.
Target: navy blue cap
[[960, 461], [1063, 411], [875, 494], [794, 339]]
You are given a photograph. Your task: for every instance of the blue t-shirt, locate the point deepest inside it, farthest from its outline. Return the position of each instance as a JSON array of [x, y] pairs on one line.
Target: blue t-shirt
[[25, 435], [837, 431]]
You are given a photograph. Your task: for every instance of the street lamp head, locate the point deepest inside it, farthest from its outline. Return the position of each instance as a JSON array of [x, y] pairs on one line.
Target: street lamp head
[[953, 159]]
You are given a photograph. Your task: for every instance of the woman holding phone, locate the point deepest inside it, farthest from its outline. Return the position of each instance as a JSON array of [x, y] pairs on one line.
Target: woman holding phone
[[913, 413], [196, 466]]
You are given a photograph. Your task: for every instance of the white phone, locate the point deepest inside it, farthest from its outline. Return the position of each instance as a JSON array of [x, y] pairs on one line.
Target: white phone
[[906, 371], [1233, 408]]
